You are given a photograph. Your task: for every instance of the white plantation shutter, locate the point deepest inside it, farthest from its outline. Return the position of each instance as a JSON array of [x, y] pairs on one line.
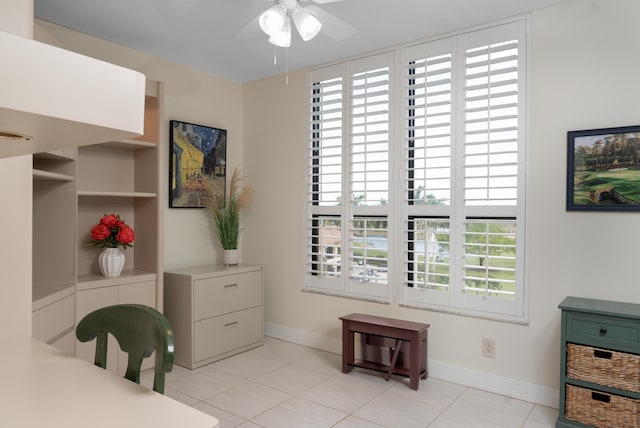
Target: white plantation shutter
[[368, 166], [348, 226], [493, 64], [490, 258], [326, 138], [464, 102], [324, 183], [427, 107], [428, 243], [416, 175], [369, 147], [325, 247], [494, 101], [428, 137], [491, 124]]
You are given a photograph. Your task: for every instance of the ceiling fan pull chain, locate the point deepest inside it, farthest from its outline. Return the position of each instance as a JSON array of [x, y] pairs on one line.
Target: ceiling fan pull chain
[[286, 66], [275, 58]]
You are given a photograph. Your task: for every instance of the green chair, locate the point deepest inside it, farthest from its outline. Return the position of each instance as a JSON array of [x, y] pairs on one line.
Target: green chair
[[139, 330]]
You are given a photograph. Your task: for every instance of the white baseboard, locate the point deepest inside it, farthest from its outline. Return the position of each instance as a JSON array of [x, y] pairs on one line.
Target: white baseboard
[[502, 385], [303, 337]]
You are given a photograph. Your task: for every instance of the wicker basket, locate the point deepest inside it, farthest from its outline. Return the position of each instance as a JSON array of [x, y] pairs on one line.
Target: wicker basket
[[604, 367], [599, 409]]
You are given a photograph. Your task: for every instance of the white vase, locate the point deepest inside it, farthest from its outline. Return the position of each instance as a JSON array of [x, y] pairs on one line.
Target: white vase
[[111, 262], [231, 257]]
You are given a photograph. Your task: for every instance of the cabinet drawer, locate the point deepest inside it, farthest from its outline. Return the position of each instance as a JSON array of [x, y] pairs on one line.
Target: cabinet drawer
[[225, 294], [53, 319], [604, 367], [602, 331], [224, 333]]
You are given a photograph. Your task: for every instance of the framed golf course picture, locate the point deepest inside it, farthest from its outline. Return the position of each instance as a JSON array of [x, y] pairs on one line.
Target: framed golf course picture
[[603, 169]]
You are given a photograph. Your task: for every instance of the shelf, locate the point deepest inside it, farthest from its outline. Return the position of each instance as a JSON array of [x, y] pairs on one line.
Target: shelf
[[130, 144], [58, 155], [117, 194], [401, 371], [42, 175], [91, 281]]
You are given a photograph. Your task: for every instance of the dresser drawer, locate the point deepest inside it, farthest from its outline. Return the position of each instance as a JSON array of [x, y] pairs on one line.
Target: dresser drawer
[[604, 367], [225, 294], [215, 336], [599, 409], [604, 331]]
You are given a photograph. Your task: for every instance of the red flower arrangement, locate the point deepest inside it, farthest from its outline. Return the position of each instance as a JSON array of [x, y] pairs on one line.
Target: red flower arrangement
[[112, 232]]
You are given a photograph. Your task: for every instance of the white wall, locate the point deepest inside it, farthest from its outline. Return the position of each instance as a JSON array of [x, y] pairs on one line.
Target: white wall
[[15, 246], [584, 75], [191, 96], [16, 16]]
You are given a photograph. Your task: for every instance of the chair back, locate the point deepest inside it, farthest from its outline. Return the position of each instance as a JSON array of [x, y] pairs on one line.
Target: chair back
[[139, 330]]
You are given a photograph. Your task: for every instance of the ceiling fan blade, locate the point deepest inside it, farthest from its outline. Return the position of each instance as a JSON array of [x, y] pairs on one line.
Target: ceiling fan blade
[[249, 31], [325, 1], [333, 27]]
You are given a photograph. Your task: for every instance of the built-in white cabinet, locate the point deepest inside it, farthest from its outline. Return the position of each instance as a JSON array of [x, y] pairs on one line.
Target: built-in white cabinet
[[53, 320], [216, 311], [92, 294], [73, 189]]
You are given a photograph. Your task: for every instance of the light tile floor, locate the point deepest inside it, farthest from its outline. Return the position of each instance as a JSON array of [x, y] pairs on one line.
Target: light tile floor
[[284, 385]]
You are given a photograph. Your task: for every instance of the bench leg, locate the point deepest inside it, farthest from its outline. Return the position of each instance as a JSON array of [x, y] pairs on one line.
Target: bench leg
[[348, 353], [414, 362], [394, 359], [423, 355]]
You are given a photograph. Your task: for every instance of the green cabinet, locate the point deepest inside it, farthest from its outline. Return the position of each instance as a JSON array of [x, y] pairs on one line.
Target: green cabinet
[[599, 363]]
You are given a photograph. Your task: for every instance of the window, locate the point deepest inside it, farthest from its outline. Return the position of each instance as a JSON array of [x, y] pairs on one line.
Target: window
[[432, 170], [349, 178]]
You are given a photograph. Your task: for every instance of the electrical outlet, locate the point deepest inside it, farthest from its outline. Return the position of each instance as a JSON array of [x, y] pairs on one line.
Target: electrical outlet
[[488, 347]]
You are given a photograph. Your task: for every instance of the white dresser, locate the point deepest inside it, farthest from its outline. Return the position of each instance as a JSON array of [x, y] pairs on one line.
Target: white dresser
[[216, 311]]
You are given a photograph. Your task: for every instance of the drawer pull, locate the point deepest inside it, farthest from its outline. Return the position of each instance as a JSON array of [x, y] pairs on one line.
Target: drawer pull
[[600, 397], [231, 324], [602, 354], [230, 286], [603, 331]]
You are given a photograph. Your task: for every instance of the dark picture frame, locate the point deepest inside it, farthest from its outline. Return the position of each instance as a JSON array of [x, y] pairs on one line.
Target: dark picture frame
[[603, 169], [197, 158]]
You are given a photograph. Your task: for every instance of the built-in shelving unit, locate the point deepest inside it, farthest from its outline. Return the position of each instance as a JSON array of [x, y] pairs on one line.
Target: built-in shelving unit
[[54, 217], [73, 189]]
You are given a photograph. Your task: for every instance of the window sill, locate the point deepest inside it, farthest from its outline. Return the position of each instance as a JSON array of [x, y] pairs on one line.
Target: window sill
[[512, 319], [353, 296]]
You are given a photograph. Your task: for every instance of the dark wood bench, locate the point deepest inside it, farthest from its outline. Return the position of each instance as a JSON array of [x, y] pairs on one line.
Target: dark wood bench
[[402, 331]]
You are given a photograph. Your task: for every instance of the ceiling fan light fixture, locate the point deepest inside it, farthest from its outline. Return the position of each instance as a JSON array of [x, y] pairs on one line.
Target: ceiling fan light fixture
[[308, 25], [272, 20], [282, 38]]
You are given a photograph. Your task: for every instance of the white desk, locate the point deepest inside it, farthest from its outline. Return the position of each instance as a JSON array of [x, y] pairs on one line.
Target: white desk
[[41, 387]]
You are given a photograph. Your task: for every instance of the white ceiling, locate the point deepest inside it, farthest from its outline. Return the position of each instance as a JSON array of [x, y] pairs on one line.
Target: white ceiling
[[200, 33]]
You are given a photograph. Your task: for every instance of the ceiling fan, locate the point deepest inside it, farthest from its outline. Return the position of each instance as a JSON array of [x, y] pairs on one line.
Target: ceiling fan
[[277, 21]]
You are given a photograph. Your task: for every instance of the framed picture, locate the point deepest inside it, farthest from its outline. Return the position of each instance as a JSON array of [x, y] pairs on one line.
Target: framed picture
[[197, 160], [603, 169]]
